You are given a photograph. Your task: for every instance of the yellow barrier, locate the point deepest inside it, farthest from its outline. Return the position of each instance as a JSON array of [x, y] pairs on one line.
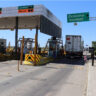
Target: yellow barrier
[[29, 59]]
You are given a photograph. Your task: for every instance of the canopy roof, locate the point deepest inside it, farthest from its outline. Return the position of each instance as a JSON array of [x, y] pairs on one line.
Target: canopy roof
[[29, 17]]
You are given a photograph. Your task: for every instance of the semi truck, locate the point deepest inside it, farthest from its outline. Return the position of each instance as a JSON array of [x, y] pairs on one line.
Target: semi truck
[[74, 46]]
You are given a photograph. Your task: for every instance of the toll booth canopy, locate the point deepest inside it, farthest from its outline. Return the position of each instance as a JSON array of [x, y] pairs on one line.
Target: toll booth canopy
[[29, 17]]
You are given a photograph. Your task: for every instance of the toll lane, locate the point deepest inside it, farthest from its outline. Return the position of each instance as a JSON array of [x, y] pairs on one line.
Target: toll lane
[[53, 79]]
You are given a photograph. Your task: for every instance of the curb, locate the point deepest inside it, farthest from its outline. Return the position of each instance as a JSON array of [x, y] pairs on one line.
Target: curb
[[88, 80]]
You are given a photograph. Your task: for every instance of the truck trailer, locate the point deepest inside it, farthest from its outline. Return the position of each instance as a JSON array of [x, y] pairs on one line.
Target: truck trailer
[[74, 46]]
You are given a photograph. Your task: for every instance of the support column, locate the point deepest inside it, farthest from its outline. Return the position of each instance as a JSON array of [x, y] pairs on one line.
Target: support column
[[16, 35], [36, 44], [36, 39]]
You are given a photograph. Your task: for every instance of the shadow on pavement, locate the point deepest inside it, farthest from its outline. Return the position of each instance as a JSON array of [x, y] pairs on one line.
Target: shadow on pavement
[[73, 61]]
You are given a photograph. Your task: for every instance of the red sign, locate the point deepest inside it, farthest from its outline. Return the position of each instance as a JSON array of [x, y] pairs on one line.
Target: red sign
[[25, 10], [68, 39]]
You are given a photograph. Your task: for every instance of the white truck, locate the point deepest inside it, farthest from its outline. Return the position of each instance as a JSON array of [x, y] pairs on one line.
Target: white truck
[[74, 46]]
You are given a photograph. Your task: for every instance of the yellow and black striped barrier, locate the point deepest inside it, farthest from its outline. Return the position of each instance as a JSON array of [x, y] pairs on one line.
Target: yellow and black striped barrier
[[30, 59]]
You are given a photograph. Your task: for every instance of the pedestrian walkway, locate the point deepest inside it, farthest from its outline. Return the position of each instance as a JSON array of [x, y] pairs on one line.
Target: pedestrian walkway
[[91, 88]]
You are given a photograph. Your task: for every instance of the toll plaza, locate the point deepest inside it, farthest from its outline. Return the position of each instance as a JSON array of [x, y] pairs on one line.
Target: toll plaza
[[30, 17], [56, 68]]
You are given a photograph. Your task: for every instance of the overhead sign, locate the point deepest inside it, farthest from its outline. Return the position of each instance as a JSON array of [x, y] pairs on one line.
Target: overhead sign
[[78, 17], [26, 9], [0, 10]]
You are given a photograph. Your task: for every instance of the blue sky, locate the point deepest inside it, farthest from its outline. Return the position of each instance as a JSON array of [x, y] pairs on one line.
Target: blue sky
[[60, 9]]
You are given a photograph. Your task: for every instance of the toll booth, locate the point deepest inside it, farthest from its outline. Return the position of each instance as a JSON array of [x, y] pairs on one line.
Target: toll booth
[[54, 47], [2, 45], [30, 17], [28, 45]]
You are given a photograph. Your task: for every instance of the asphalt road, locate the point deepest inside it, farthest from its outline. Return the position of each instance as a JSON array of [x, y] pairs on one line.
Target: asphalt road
[[59, 78]]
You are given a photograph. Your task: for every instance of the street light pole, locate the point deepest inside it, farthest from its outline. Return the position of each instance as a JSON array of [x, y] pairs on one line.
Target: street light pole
[[93, 58]]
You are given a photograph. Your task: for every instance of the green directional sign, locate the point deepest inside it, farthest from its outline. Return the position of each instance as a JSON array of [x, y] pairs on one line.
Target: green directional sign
[[26, 7], [78, 17]]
